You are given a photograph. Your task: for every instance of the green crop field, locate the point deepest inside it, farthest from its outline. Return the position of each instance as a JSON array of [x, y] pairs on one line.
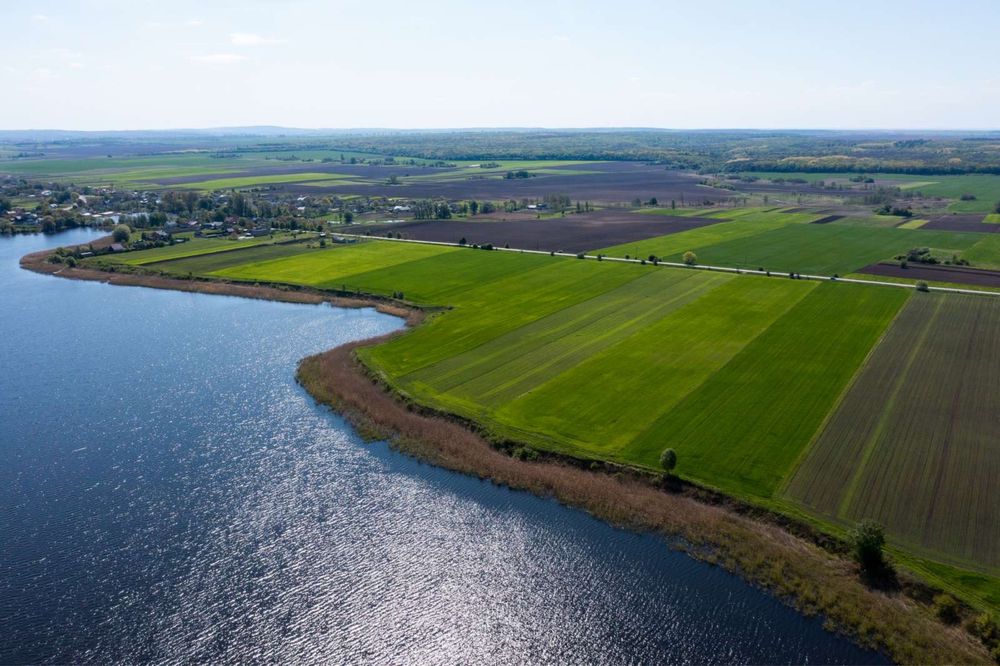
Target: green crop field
[[823, 249], [335, 263], [985, 253], [744, 428], [695, 239], [437, 279], [915, 443], [257, 181], [488, 310], [603, 404]]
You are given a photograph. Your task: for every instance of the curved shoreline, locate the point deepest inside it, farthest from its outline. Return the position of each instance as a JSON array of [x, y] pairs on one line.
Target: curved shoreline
[[793, 567]]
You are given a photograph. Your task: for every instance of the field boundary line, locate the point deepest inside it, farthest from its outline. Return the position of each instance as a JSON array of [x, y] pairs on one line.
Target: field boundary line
[[848, 499], [700, 267], [783, 488]]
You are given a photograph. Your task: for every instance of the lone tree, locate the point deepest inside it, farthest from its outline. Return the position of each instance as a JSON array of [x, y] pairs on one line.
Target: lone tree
[[668, 460], [996, 209], [868, 541], [121, 233], [690, 258]]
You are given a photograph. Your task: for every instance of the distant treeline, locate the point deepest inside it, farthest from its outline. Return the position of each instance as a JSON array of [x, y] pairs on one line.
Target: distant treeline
[[709, 151], [865, 167]]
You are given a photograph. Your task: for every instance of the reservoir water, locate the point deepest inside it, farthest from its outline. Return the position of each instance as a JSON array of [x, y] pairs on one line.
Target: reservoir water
[[168, 493]]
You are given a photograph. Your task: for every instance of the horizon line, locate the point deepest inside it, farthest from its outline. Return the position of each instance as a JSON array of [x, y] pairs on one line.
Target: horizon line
[[501, 128]]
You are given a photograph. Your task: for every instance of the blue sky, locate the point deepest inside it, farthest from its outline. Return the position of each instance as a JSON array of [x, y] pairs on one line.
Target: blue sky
[[109, 64]]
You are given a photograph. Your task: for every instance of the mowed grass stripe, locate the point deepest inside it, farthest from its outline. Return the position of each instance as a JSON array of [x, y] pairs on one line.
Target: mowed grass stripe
[[743, 429], [602, 404], [539, 366], [337, 263], [508, 366], [933, 474], [488, 311]]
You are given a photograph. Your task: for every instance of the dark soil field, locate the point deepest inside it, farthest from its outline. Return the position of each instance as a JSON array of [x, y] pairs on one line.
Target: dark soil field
[[573, 233], [972, 223], [827, 219], [935, 273]]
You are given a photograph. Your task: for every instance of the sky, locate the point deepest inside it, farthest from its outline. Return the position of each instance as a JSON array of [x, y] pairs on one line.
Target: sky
[[164, 64]]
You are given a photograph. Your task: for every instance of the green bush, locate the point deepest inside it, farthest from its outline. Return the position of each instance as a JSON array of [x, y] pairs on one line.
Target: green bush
[[668, 460], [946, 608], [525, 453], [868, 541]]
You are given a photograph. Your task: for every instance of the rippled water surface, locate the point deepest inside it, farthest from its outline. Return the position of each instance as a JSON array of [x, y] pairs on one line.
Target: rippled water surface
[[169, 493]]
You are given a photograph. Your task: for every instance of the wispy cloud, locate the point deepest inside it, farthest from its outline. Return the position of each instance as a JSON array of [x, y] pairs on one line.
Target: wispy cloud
[[194, 23], [251, 39], [39, 17], [219, 58]]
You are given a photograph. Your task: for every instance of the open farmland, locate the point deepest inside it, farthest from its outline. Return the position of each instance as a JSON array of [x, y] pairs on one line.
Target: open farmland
[[374, 175], [984, 187], [573, 233], [915, 443], [826, 249], [599, 182]]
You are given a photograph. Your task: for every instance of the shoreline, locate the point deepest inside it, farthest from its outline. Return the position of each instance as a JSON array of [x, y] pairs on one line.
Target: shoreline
[[793, 567], [36, 262]]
